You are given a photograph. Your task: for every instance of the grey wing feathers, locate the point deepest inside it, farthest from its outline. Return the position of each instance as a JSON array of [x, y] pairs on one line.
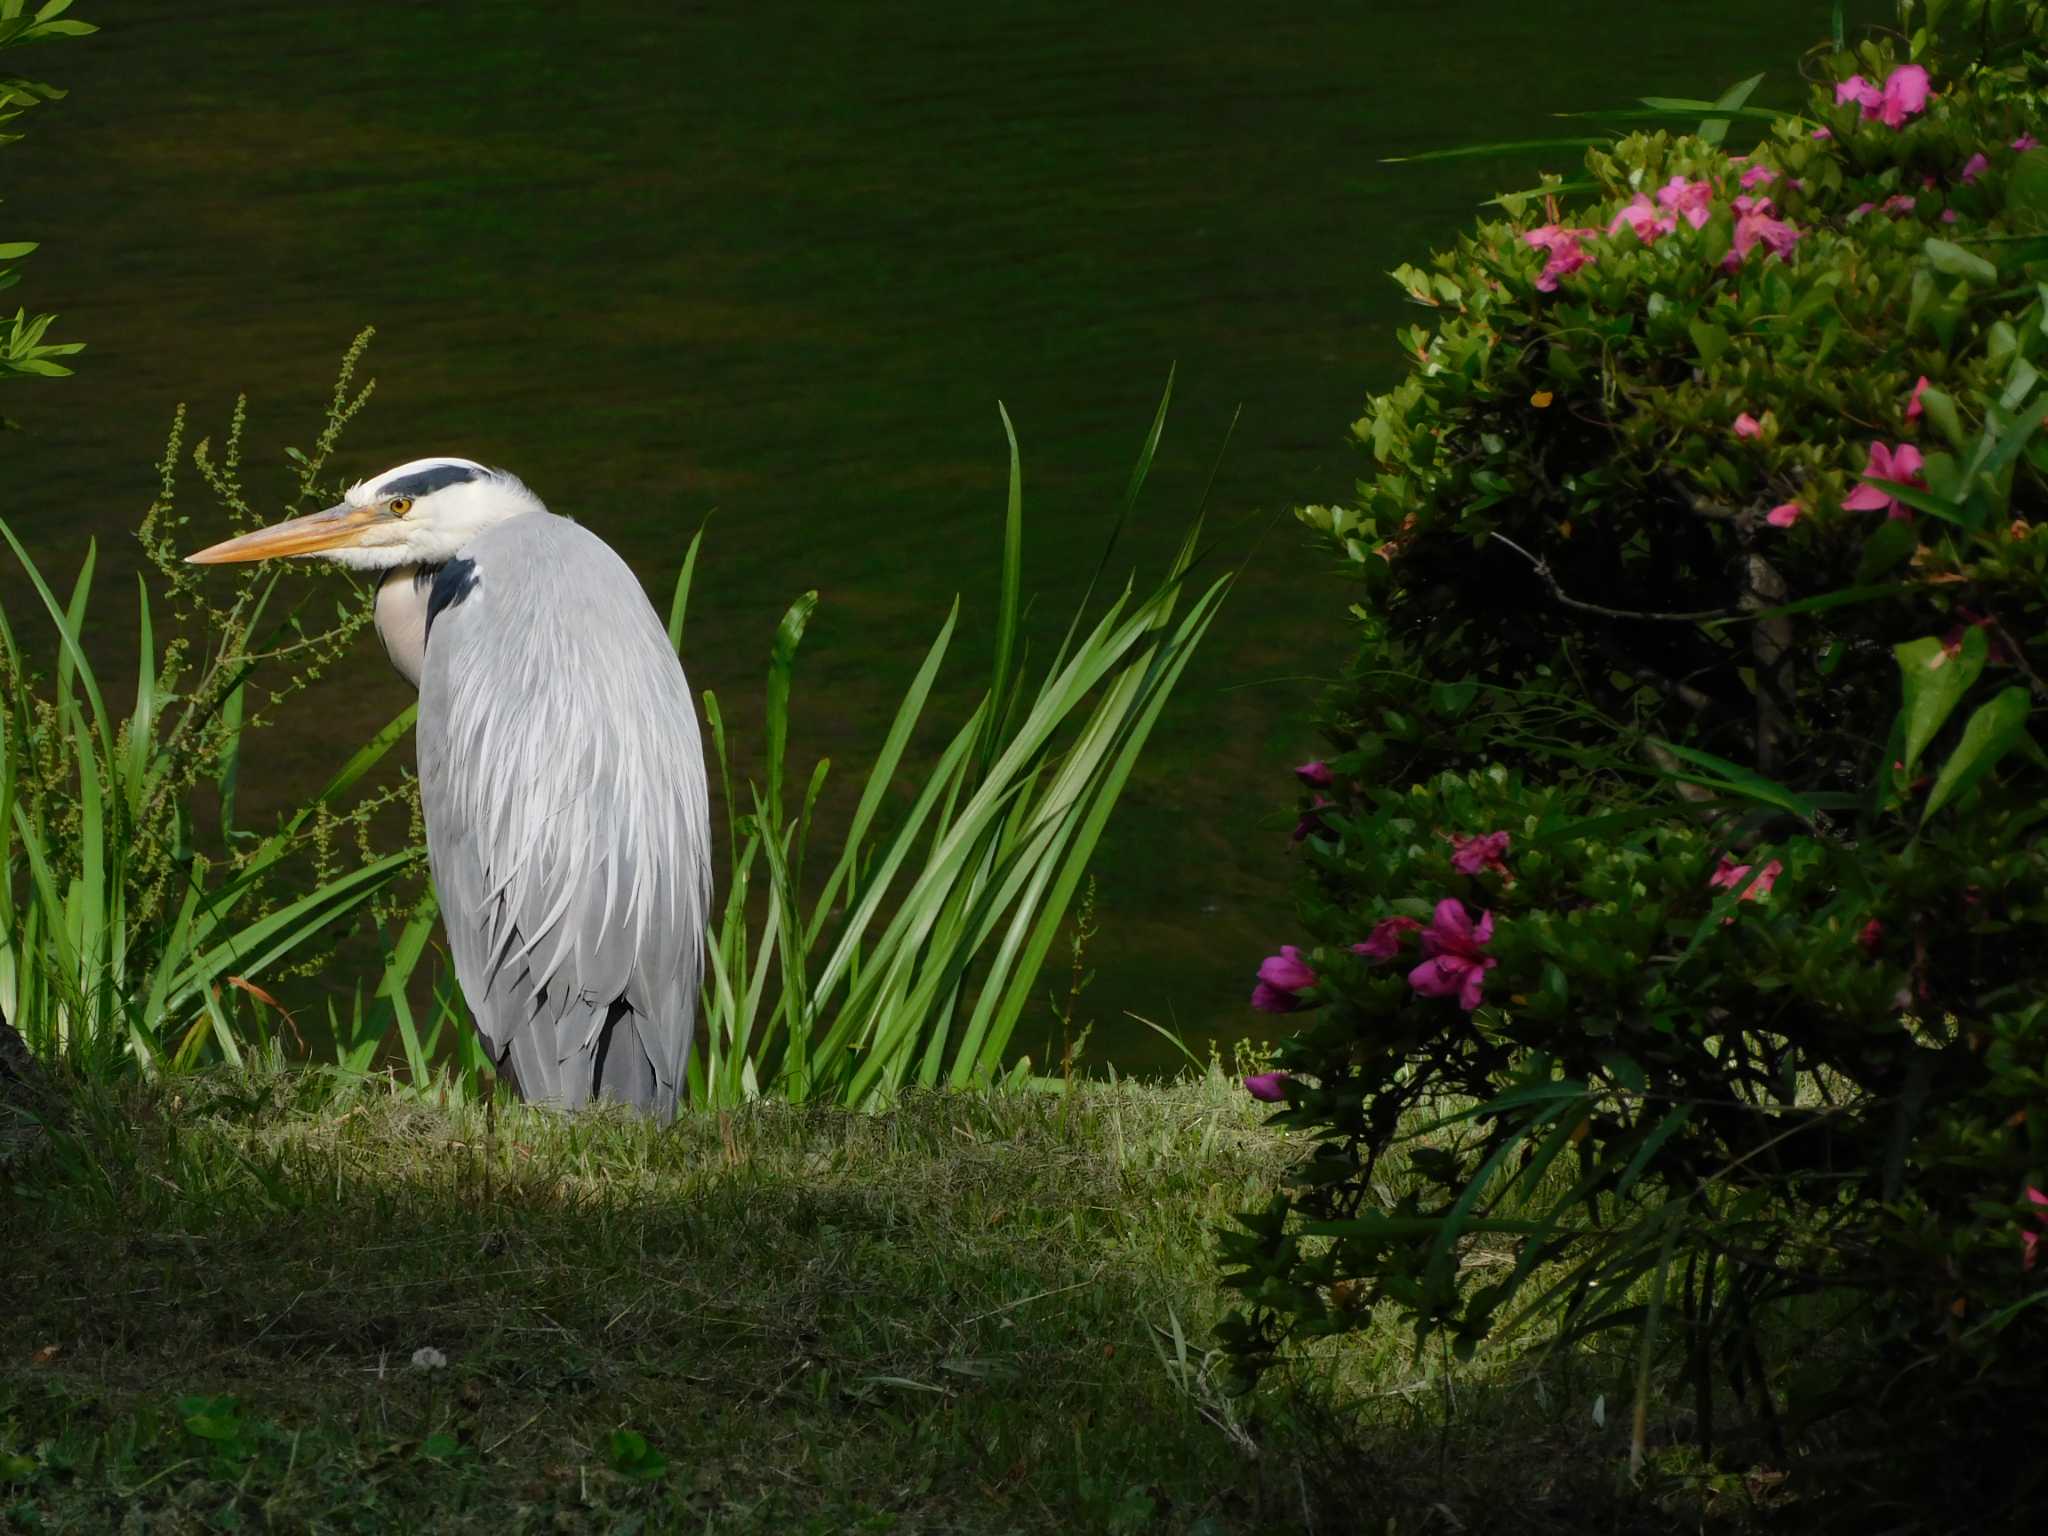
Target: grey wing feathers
[[567, 813]]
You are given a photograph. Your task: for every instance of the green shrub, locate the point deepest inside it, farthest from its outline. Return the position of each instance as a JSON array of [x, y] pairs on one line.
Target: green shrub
[[23, 352], [1679, 857]]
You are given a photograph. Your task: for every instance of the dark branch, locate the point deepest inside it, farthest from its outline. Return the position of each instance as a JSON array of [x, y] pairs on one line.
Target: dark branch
[[1549, 579]]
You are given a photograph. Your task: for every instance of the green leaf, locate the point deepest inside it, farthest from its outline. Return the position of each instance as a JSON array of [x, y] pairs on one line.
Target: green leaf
[[1714, 128], [1499, 147], [1951, 260], [1941, 410], [789, 635], [1923, 498], [1994, 730], [1710, 339], [1734, 779], [679, 605], [1890, 545], [1934, 681]]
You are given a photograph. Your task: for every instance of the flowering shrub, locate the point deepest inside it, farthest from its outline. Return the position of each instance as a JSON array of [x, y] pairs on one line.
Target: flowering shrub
[[1680, 859]]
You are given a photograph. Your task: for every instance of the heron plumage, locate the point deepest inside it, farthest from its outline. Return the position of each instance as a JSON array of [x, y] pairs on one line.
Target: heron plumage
[[568, 823]]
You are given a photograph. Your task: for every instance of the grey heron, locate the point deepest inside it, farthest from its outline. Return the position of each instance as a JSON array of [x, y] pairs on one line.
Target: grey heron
[[561, 772]]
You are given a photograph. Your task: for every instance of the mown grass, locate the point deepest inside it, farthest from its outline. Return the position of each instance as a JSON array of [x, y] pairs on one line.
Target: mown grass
[[958, 1315]]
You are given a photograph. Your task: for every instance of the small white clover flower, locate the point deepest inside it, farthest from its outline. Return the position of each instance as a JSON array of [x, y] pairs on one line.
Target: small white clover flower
[[428, 1358]]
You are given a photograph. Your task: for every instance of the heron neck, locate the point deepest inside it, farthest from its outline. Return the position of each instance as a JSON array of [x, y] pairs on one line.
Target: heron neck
[[401, 613]]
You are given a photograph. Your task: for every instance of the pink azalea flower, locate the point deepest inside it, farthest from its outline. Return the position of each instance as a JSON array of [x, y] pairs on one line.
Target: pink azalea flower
[[1871, 938], [1565, 253], [2030, 1242], [2025, 142], [1268, 1087], [1784, 515], [1690, 200], [1471, 855], [1901, 203], [1747, 425], [1748, 204], [1905, 94], [1974, 167], [1456, 947], [1311, 824], [1823, 133], [1281, 978], [1949, 215], [1754, 228], [1902, 463], [1315, 774], [1914, 409], [1641, 216], [1861, 209], [1384, 942], [1728, 875], [1758, 176]]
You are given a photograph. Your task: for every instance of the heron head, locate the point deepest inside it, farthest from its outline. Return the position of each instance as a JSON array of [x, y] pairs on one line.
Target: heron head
[[420, 513]]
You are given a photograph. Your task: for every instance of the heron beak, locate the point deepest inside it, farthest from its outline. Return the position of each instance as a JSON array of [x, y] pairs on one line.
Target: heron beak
[[336, 528]]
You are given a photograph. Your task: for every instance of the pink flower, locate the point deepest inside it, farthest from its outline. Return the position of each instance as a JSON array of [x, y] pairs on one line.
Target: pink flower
[[1690, 200], [1823, 133], [1315, 774], [2025, 142], [1384, 942], [1456, 947], [1268, 1087], [1758, 176], [1871, 938], [1901, 202], [2030, 1242], [1471, 855], [1728, 875], [1914, 409], [1311, 824], [1641, 216], [1747, 204], [1756, 226], [1747, 425], [1974, 167], [1949, 215], [1562, 246], [1783, 515], [1281, 978], [1902, 463], [1904, 94]]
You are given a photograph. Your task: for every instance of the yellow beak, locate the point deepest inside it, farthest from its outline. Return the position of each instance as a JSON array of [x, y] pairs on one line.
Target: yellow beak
[[336, 528]]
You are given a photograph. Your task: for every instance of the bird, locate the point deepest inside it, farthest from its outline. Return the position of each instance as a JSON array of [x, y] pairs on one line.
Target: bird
[[561, 772]]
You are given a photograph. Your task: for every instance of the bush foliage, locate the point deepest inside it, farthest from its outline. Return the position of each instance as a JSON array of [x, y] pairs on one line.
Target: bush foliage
[[1681, 856]]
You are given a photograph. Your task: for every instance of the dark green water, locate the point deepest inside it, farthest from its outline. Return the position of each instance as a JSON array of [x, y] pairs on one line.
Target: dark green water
[[782, 260]]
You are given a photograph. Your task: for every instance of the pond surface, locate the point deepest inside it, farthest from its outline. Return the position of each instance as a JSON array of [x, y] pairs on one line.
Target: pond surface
[[781, 261]]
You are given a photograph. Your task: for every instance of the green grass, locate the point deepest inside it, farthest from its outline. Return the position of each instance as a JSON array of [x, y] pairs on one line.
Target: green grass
[[971, 1313]]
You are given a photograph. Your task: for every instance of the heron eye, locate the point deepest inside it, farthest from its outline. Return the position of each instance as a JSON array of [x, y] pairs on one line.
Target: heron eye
[[400, 505]]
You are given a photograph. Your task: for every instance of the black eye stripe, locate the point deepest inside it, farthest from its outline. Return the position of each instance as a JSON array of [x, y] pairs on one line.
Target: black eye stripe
[[424, 482]]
